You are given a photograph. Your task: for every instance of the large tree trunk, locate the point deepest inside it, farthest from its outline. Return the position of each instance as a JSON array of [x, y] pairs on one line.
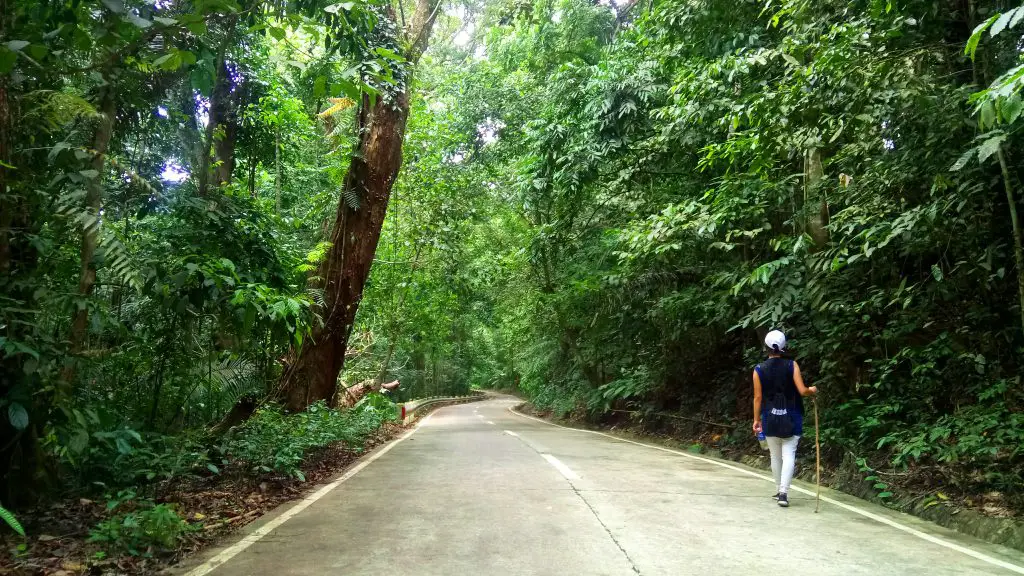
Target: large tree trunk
[[313, 373], [93, 202], [223, 102], [228, 102], [1018, 243], [277, 167], [817, 224], [14, 215]]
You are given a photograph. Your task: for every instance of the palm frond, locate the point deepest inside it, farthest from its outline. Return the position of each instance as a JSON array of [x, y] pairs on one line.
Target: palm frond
[[237, 378]]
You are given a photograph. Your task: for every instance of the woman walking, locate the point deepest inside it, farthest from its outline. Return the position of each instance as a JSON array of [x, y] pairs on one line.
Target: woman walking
[[779, 410]]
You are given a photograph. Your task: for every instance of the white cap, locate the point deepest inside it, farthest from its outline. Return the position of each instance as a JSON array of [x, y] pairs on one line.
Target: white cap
[[775, 341]]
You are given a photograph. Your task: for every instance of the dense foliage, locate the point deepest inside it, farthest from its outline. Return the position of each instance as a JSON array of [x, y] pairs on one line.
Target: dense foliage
[[673, 179], [604, 206], [169, 174]]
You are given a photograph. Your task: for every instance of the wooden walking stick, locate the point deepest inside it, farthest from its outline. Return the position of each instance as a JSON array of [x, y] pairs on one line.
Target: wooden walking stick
[[817, 459]]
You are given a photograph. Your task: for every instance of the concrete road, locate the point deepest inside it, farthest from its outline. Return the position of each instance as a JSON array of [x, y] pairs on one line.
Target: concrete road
[[479, 490]]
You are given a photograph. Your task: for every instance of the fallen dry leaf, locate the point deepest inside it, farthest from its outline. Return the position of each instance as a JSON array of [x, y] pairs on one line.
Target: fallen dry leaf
[[73, 566]]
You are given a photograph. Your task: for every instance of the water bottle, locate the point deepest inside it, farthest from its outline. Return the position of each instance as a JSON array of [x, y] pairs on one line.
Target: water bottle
[[762, 440]]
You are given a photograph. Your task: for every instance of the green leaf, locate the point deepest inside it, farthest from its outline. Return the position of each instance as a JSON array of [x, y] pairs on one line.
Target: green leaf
[[791, 59], [884, 495], [1001, 22], [277, 33], [17, 44], [390, 55], [165, 21], [347, 88], [17, 415], [161, 61], [79, 441], [7, 60], [123, 447], [990, 147], [963, 160], [1010, 108], [38, 51], [115, 6], [988, 114], [213, 468], [11, 521], [139, 22], [1018, 13], [937, 272], [972, 42]]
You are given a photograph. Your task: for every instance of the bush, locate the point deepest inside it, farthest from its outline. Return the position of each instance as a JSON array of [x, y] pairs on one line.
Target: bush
[[272, 441], [95, 449], [139, 531]]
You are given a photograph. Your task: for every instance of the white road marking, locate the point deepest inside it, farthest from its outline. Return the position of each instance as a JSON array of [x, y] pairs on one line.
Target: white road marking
[[881, 519], [491, 423], [511, 433], [250, 539], [479, 415], [568, 473]]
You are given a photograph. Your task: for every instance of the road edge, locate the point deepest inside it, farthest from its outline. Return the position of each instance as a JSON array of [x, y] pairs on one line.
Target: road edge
[[1005, 552]]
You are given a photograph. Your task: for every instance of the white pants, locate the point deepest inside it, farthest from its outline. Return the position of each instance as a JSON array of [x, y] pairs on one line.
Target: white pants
[[783, 451]]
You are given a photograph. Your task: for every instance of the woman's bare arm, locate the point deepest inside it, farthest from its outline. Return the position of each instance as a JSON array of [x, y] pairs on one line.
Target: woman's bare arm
[[798, 378], [757, 403]]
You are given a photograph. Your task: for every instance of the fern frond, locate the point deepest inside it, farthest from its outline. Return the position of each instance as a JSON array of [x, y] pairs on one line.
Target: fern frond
[[317, 295], [337, 105], [351, 198], [51, 109], [118, 262], [11, 521]]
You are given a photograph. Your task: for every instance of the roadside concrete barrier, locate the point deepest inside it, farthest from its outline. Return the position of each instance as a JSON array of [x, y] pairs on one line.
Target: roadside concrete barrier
[[410, 408]]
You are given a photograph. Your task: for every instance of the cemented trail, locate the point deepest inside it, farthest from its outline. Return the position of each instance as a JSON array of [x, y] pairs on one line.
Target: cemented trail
[[477, 489]]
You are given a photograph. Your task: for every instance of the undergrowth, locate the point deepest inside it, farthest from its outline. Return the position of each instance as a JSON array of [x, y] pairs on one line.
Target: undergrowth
[[131, 466]]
